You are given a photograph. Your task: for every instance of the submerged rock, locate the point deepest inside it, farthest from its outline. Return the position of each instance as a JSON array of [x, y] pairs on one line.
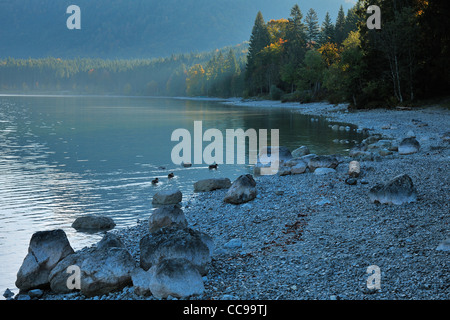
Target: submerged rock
[[93, 223], [212, 184], [300, 152], [397, 191]]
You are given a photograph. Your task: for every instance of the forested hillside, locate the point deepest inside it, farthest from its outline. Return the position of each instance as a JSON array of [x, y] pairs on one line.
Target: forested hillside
[[299, 59], [172, 76], [130, 29]]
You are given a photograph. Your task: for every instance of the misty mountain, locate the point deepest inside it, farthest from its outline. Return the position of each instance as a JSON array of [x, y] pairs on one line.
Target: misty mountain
[[137, 28]]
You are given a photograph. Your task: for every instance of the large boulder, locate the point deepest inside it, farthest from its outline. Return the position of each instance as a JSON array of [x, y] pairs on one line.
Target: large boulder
[[166, 216], [175, 242], [45, 250], [101, 271], [175, 277], [284, 154], [299, 168], [93, 223], [408, 146], [397, 191], [322, 162], [300, 152], [212, 184], [242, 190], [167, 197]]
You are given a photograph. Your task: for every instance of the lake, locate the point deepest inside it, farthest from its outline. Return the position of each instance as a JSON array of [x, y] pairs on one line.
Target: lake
[[65, 156]]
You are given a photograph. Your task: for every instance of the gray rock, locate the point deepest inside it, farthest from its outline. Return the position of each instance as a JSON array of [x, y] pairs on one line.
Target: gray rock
[[293, 162], [299, 152], [102, 271], [35, 293], [444, 245], [93, 223], [167, 197], [323, 202], [354, 169], [408, 146], [45, 250], [322, 162], [242, 190], [141, 282], [299, 168], [212, 184], [233, 244], [324, 171], [308, 157], [174, 242], [186, 164], [284, 171], [166, 216], [284, 154], [110, 240], [23, 297], [397, 191], [372, 139], [8, 294], [384, 152], [410, 134], [351, 181], [175, 277], [360, 154], [257, 168]]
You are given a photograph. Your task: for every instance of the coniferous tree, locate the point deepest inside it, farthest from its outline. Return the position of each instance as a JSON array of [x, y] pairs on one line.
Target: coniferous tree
[[312, 27], [339, 30], [259, 39], [327, 31]]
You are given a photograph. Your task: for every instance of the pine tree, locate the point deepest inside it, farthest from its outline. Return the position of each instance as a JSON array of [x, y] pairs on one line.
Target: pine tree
[[327, 32], [259, 39], [351, 21], [312, 27], [340, 27], [296, 38]]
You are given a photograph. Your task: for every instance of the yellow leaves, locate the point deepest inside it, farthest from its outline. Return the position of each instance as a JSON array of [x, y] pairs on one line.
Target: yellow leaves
[[330, 53], [423, 4]]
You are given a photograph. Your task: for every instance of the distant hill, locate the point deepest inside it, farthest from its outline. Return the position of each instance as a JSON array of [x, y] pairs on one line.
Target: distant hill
[[137, 28]]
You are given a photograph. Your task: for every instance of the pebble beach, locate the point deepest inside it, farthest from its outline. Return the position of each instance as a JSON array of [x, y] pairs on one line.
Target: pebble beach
[[313, 237]]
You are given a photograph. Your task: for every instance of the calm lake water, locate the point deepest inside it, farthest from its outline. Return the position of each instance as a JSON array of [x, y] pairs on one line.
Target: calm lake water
[[63, 157]]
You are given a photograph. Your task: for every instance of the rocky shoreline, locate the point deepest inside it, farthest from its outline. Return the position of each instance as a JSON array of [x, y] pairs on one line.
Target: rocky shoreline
[[313, 236]]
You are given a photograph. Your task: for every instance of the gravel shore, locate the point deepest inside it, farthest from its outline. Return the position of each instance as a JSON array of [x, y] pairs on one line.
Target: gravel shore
[[309, 236]]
